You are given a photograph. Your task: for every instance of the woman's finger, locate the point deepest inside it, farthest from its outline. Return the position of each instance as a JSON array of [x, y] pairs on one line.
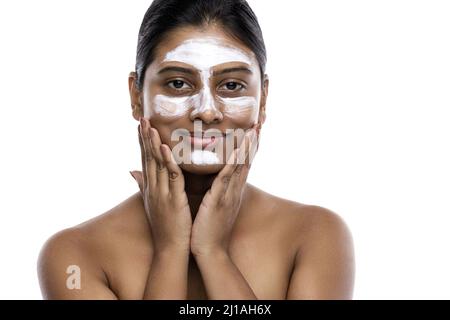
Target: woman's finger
[[253, 149], [161, 170], [149, 158], [156, 143], [240, 172], [139, 178], [254, 145], [143, 156], [220, 183], [176, 179]]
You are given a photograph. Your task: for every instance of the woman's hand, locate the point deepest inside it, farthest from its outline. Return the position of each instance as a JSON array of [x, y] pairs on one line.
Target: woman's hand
[[162, 188], [213, 224]]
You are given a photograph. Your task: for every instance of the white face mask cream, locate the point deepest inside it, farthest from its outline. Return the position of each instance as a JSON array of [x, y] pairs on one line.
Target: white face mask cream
[[239, 106], [171, 106], [204, 157]]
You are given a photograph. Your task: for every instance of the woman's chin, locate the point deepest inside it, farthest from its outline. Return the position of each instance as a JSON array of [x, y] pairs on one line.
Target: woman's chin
[[202, 169]]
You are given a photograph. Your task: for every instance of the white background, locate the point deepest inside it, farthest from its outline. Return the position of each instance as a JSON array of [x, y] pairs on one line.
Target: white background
[[357, 122]]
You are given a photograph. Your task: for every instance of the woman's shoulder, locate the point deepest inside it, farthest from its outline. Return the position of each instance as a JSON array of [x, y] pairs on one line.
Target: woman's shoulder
[[122, 219], [96, 239], [86, 250], [319, 243], [305, 222]]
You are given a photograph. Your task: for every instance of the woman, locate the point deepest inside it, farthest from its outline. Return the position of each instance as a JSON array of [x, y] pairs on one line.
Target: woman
[[196, 229]]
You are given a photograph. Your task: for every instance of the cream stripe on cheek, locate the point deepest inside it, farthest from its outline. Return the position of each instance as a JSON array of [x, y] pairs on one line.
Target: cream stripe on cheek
[[240, 106], [171, 106], [179, 106]]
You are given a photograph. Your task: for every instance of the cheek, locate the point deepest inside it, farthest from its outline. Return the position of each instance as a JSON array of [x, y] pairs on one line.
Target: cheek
[[168, 114], [243, 110], [164, 130], [169, 108]]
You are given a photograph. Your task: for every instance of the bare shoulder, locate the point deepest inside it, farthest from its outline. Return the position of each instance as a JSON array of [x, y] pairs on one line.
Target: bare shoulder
[[307, 222], [324, 265], [83, 249], [322, 246], [322, 224]]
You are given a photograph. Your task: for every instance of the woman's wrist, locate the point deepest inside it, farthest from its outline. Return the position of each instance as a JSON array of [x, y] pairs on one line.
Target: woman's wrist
[[209, 254], [171, 251]]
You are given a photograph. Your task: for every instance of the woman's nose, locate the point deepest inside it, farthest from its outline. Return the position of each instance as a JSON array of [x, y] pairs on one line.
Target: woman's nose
[[207, 115]]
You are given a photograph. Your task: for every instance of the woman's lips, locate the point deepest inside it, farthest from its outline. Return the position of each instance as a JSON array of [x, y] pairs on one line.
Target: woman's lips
[[203, 141]]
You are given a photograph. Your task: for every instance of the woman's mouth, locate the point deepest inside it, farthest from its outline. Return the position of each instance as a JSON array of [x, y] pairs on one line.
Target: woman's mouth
[[199, 140]]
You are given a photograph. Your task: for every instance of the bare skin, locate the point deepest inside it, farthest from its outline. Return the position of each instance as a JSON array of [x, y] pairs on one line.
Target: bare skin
[[200, 232]]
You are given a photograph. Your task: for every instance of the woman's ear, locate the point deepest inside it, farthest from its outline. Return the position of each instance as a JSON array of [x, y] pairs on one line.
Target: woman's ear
[[135, 94], [264, 94]]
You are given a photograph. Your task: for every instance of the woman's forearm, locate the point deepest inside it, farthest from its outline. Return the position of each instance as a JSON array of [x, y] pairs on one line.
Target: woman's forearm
[[167, 279], [222, 279]]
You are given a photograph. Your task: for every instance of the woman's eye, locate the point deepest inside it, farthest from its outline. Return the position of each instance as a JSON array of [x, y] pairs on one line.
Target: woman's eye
[[232, 86], [178, 85]]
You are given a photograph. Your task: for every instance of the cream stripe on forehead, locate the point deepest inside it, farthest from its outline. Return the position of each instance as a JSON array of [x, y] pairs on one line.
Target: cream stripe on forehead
[[205, 53]]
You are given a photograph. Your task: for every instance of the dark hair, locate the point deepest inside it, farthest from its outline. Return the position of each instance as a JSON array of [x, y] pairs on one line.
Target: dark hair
[[236, 16]]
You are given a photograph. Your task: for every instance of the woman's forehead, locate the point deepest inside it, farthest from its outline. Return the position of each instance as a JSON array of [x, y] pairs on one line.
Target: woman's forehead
[[202, 47], [204, 53]]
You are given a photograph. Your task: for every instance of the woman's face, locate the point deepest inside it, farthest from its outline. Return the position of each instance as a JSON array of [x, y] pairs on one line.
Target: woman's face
[[202, 92]]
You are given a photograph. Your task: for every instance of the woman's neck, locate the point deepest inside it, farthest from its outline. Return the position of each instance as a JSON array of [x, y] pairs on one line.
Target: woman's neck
[[196, 186]]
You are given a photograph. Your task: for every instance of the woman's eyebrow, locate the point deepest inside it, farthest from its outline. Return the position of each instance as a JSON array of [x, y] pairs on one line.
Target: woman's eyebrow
[[176, 69], [215, 73], [235, 69]]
